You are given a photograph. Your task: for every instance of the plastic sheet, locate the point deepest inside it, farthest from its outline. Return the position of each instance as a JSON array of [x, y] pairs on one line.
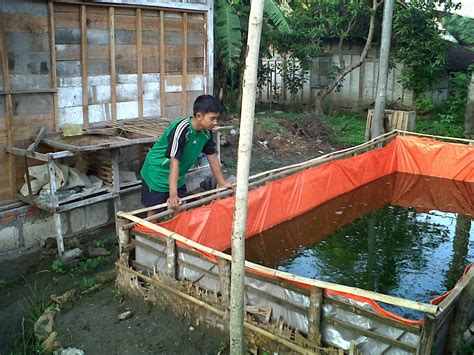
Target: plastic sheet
[[286, 198]]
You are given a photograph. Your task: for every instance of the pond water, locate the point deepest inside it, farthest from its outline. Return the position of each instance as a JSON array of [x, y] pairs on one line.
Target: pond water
[[403, 235]]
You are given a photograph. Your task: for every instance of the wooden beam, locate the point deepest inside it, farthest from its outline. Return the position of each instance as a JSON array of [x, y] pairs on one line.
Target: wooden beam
[[162, 64], [113, 78], [185, 64], [85, 95], [209, 49], [8, 109], [314, 314], [138, 19], [171, 257], [427, 337], [54, 82]]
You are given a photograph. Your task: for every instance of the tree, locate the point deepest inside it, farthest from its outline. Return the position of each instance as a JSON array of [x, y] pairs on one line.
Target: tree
[[416, 36], [231, 23]]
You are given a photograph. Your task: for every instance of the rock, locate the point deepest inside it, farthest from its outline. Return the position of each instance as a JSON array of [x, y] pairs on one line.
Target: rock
[[71, 256], [52, 342], [191, 329], [471, 327], [64, 298], [69, 351], [125, 315], [93, 251], [44, 325], [106, 276]]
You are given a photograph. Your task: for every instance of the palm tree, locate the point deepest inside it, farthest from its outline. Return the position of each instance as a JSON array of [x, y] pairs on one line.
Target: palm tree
[[231, 22]]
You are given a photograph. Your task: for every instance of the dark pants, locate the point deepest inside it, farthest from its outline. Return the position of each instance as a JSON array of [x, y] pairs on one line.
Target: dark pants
[[152, 198]]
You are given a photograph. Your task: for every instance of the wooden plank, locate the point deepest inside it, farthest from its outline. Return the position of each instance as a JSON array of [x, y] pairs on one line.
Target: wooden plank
[[85, 91], [54, 80], [25, 23], [8, 109], [185, 63], [113, 78], [224, 278], [162, 64], [138, 18]]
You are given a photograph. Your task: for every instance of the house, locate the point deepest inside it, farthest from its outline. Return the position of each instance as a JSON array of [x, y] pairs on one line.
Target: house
[[89, 63], [358, 89]]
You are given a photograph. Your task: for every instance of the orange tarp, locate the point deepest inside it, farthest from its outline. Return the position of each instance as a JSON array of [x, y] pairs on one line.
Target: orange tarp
[[294, 195]]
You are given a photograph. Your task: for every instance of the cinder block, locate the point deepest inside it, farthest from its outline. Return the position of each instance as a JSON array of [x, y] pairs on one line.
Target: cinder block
[[38, 229], [9, 238], [77, 220], [98, 214], [131, 202]]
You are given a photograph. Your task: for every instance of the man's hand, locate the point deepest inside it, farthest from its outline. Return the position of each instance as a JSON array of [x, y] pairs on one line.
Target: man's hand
[[174, 202], [227, 185]]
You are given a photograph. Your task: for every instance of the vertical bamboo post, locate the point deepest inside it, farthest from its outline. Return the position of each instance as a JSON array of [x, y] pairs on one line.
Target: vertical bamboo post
[[52, 47], [113, 78], [138, 29], [8, 109], [377, 121], [116, 185], [427, 335], [85, 85], [171, 257], [54, 204], [249, 91], [124, 239], [314, 314], [185, 64], [162, 64], [224, 279]]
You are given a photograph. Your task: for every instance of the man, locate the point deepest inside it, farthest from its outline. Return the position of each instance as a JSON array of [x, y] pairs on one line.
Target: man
[[176, 151]]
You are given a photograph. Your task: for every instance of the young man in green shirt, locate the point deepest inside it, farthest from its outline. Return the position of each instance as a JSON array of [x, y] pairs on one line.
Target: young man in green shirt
[[176, 151]]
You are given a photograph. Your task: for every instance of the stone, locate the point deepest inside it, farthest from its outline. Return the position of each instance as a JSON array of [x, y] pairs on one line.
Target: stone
[[52, 342], [192, 329], [125, 315], [97, 251], [466, 335], [471, 327], [69, 351], [71, 256], [66, 297], [44, 325]]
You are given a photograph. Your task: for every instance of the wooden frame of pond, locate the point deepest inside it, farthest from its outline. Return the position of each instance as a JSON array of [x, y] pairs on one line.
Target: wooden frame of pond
[[284, 312]]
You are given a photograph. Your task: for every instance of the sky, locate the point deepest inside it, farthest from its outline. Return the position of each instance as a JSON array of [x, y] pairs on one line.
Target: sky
[[467, 8]]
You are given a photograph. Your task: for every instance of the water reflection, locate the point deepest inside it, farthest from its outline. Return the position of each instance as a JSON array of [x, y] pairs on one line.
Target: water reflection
[[402, 235]]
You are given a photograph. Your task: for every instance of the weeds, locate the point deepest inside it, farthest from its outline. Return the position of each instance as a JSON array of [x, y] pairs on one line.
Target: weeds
[[347, 129], [84, 267], [33, 307], [103, 242], [86, 282]]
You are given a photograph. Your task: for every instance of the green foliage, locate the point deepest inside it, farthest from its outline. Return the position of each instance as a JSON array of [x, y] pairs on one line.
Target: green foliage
[[101, 243], [269, 124], [34, 305], [86, 282], [461, 28], [447, 117], [347, 129], [58, 266], [87, 265]]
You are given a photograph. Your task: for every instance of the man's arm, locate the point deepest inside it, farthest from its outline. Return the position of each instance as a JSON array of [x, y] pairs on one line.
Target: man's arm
[[217, 171], [174, 201]]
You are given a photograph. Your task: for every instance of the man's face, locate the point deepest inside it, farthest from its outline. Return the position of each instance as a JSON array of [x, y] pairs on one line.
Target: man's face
[[209, 120]]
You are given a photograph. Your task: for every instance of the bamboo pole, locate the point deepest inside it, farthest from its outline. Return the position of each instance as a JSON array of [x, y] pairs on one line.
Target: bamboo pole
[[162, 64], [85, 85], [184, 83], [138, 28], [249, 90], [52, 48], [113, 75]]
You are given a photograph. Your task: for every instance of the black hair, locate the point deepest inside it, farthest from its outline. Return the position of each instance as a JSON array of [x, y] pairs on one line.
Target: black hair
[[206, 103]]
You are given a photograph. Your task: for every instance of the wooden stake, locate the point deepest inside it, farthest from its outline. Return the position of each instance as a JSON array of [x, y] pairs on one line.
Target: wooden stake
[[314, 316], [8, 109], [85, 92], [184, 83], [139, 62], [113, 78], [171, 257], [52, 48], [236, 323], [427, 335], [224, 278], [162, 64]]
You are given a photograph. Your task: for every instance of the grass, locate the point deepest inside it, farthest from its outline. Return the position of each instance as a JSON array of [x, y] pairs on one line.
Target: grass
[[441, 125], [347, 129]]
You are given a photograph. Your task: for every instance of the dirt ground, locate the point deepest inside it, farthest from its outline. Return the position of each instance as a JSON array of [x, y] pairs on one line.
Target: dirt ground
[[89, 322]]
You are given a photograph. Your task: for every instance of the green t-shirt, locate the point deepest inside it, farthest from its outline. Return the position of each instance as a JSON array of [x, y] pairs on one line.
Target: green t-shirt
[[181, 141]]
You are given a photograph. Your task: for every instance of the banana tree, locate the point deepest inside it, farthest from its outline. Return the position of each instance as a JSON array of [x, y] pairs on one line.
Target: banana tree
[[231, 23]]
